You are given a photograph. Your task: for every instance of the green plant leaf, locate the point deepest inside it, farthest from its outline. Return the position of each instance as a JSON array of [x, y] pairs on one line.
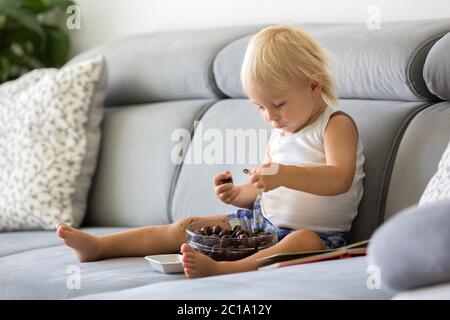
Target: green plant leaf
[[3, 19], [58, 46], [31, 36], [28, 20], [62, 4], [9, 5], [36, 6], [4, 69], [21, 34]]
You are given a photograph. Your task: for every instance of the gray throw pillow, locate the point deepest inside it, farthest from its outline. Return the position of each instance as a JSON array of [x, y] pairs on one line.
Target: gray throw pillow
[[413, 248]]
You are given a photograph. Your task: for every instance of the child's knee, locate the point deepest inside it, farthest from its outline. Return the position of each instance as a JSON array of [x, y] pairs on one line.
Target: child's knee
[[201, 221], [306, 239], [181, 224]]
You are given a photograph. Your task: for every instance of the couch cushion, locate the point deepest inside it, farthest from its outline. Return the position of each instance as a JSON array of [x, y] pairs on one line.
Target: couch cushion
[[369, 64], [135, 171], [21, 241], [164, 66], [381, 124], [339, 279], [437, 68], [419, 152], [41, 270]]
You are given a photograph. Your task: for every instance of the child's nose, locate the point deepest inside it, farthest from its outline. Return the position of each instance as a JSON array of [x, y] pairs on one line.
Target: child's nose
[[272, 116]]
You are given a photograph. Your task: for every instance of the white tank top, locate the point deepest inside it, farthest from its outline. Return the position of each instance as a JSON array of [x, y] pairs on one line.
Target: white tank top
[[295, 209]]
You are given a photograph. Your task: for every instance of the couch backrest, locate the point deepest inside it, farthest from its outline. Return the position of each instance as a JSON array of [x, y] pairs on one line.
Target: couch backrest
[[163, 82], [379, 64], [426, 137], [156, 67]]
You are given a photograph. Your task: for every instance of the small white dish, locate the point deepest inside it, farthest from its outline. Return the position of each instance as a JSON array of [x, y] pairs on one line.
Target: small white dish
[[166, 263]]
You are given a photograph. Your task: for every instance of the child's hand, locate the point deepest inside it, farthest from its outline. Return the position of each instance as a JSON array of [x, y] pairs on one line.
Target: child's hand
[[227, 192], [267, 176]]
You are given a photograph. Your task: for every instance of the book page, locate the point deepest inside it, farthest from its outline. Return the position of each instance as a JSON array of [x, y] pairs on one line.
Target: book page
[[335, 254], [303, 254]]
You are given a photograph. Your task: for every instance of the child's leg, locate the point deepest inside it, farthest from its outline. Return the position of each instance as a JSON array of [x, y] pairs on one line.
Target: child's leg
[[158, 239], [199, 265]]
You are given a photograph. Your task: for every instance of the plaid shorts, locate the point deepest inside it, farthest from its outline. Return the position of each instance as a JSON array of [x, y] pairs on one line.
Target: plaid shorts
[[251, 219]]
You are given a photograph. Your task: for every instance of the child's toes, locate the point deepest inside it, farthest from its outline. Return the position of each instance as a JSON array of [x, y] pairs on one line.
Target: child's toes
[[60, 225], [185, 248], [189, 272], [188, 257], [61, 232], [63, 226], [188, 263]]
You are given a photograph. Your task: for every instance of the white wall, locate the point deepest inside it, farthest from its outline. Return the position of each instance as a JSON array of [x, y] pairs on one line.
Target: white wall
[[105, 20]]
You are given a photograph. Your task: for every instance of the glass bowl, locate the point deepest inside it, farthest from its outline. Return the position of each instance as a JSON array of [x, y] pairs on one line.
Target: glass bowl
[[232, 244]]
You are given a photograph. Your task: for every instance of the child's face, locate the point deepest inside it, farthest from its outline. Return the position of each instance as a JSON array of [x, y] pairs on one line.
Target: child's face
[[290, 110]]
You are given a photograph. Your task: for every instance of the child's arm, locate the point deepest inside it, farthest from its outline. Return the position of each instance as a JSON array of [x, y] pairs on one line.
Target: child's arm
[[246, 196], [336, 177], [248, 190], [340, 142]]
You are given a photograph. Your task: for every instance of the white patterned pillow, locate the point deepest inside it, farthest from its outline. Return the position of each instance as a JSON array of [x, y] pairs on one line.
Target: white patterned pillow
[[439, 186], [49, 140]]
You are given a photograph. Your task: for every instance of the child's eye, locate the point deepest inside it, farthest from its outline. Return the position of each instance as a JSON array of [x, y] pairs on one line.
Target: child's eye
[[280, 105], [261, 108]]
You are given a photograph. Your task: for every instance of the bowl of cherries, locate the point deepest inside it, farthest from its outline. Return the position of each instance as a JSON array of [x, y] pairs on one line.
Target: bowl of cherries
[[222, 242]]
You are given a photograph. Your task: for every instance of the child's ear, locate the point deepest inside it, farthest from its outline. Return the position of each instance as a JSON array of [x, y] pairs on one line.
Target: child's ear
[[315, 84]]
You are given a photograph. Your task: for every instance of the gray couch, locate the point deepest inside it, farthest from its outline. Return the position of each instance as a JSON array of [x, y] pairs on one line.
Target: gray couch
[[393, 81]]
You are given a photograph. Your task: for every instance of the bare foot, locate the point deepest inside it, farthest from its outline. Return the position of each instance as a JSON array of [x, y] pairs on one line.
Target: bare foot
[[85, 245], [196, 264]]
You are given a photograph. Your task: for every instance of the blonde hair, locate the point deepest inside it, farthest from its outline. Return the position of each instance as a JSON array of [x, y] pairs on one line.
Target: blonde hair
[[280, 54]]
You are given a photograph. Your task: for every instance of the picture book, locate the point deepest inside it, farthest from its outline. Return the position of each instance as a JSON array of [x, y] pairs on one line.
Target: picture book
[[293, 258]]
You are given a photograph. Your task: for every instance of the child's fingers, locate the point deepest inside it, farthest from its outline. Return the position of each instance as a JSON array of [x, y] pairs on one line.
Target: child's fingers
[[226, 198], [257, 181], [224, 188], [256, 170], [228, 192], [255, 178], [232, 198], [221, 176], [232, 195], [259, 185]]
